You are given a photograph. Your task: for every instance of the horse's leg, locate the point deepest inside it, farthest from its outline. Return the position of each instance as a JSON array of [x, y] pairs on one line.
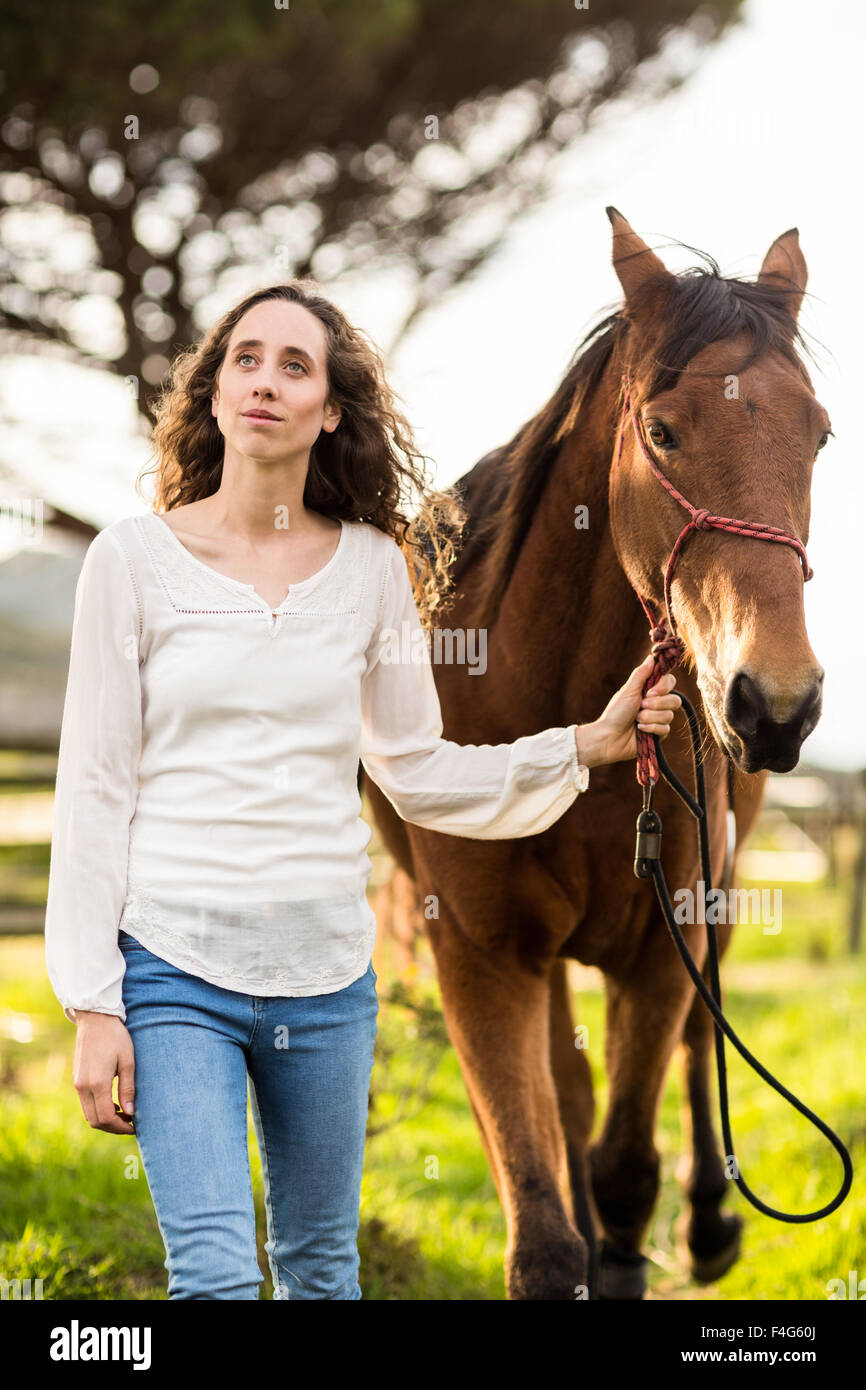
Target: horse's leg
[[497, 1011], [712, 1236], [492, 1158], [574, 1092], [646, 1014]]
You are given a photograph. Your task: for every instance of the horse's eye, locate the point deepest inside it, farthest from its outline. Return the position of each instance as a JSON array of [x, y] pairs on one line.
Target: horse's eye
[[660, 435], [823, 440]]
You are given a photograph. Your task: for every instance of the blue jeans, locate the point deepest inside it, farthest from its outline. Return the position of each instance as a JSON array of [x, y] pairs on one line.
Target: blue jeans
[[308, 1064]]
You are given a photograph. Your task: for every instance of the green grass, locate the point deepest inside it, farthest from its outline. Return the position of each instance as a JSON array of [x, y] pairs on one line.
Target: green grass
[[75, 1210]]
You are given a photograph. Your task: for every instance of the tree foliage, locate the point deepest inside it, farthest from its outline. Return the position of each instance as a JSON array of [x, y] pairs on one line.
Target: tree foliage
[[153, 155]]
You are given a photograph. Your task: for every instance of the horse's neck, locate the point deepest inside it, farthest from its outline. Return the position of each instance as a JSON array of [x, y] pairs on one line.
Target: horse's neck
[[569, 608]]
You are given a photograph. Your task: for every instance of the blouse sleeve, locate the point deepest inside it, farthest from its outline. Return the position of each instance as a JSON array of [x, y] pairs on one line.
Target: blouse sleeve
[[482, 791], [96, 787]]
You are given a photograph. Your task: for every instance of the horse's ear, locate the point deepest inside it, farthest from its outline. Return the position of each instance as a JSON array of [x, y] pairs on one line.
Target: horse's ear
[[633, 261], [785, 266]]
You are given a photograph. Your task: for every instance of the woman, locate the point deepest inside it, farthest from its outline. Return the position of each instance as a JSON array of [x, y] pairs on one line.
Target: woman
[[207, 926]]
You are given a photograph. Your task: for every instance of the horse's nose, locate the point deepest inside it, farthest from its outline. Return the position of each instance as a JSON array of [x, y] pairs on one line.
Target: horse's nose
[[771, 741]]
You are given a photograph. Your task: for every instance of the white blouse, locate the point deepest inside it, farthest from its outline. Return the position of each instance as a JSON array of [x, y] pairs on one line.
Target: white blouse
[[206, 799]]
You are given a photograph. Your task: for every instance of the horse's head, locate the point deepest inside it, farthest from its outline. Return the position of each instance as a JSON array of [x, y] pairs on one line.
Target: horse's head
[[727, 411]]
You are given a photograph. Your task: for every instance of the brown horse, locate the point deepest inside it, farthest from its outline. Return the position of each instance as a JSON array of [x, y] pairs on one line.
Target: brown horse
[[729, 411]]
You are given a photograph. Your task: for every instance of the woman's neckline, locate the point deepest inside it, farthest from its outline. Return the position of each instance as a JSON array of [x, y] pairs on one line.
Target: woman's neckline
[[294, 589]]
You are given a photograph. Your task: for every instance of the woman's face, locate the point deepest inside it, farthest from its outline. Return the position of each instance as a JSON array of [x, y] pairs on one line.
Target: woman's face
[[275, 360]]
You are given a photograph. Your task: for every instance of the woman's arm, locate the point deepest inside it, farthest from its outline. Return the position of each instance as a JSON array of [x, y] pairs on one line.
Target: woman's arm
[[481, 791], [96, 787]]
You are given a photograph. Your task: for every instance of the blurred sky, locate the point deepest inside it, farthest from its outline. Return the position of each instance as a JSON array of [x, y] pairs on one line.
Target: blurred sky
[[767, 134]]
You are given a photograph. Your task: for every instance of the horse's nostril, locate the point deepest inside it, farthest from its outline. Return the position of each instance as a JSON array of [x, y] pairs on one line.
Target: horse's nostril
[[750, 713], [745, 704]]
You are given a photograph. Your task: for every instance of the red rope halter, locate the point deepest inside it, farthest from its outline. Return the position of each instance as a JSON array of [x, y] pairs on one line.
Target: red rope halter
[[667, 645]]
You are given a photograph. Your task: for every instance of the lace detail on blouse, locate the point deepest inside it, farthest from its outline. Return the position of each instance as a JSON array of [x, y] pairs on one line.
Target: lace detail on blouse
[[193, 587]]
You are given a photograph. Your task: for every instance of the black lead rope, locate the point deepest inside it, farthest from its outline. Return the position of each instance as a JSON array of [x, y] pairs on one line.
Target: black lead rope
[[647, 864]]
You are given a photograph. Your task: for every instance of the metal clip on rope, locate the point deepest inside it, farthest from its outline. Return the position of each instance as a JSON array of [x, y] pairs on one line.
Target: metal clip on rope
[[649, 840]]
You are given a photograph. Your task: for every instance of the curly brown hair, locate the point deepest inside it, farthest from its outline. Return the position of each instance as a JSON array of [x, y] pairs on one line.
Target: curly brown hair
[[363, 471]]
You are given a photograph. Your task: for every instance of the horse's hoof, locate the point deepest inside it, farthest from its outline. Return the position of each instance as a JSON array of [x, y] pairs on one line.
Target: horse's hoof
[[707, 1268], [619, 1274]]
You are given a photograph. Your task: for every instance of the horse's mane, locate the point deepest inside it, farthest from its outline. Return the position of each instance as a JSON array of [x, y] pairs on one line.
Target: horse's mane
[[502, 491]]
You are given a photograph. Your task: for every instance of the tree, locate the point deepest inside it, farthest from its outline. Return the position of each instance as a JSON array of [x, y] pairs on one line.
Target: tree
[[150, 153]]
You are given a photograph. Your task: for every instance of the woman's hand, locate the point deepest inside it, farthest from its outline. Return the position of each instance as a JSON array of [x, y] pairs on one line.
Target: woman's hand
[[103, 1050], [611, 738]]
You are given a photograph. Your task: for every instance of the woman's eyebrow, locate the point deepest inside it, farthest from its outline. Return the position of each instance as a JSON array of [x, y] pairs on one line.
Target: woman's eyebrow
[[257, 343]]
